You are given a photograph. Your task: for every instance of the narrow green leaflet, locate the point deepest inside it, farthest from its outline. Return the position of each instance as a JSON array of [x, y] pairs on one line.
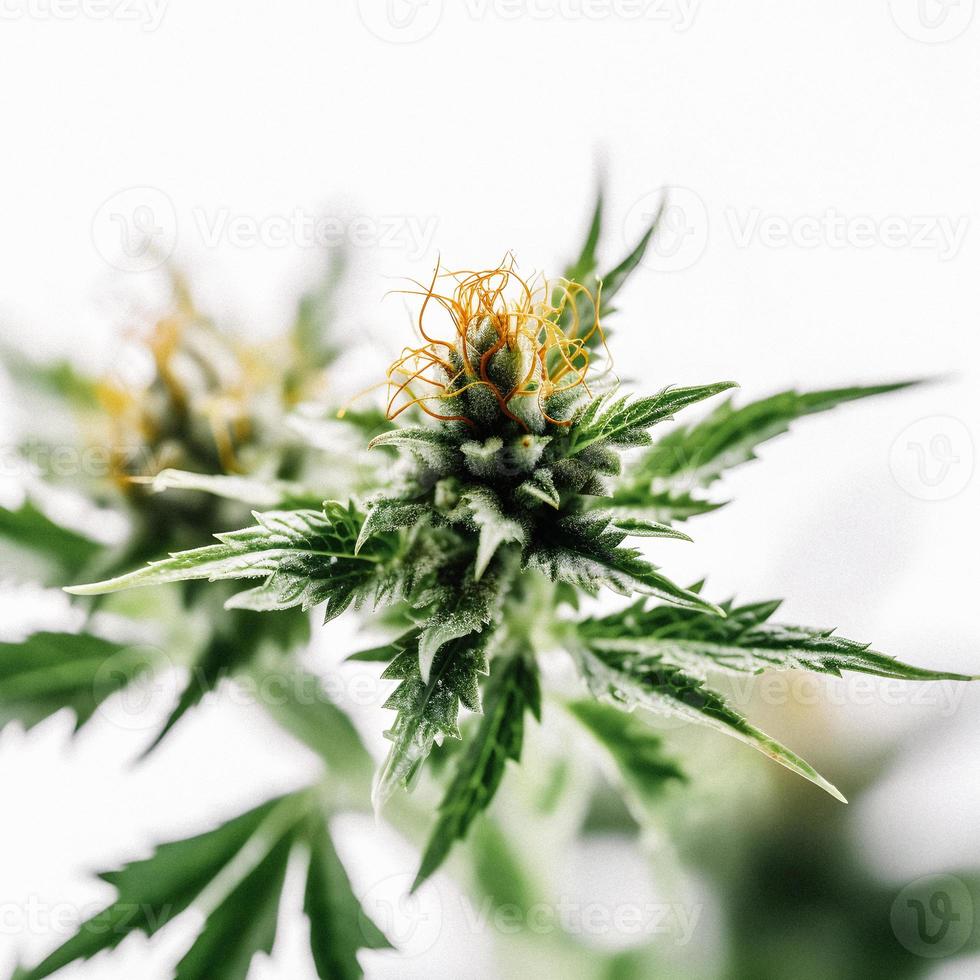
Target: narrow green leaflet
[[623, 421], [588, 554], [154, 891], [50, 671], [429, 446], [236, 872], [29, 527], [338, 926], [297, 700], [634, 746], [744, 641], [638, 502], [243, 924], [428, 709], [635, 681], [696, 455], [305, 556], [513, 688], [496, 528], [57, 379], [464, 605], [249, 490]]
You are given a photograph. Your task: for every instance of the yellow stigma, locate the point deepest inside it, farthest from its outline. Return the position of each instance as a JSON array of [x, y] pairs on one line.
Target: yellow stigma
[[550, 324]]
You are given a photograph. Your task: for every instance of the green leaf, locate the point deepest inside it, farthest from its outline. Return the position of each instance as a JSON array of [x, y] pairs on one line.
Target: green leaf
[[741, 642], [634, 746], [496, 528], [245, 489], [639, 527], [53, 378], [465, 605], [614, 280], [637, 681], [696, 455], [305, 556], [387, 515], [430, 446], [585, 552], [153, 892], [30, 528], [585, 265], [623, 421], [243, 924], [299, 703], [338, 926], [539, 488], [428, 709], [50, 671], [639, 503], [513, 688]]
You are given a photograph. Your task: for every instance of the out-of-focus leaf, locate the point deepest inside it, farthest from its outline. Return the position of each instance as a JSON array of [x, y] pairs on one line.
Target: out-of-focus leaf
[[338, 926], [50, 671]]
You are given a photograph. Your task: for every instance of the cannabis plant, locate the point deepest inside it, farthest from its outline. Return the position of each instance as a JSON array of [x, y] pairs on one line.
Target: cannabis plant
[[515, 473]]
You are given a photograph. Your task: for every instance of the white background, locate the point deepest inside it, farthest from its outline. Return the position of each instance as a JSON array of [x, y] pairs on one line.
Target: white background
[[483, 125]]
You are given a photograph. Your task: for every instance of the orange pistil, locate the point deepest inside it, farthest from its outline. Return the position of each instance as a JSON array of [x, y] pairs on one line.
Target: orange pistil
[[552, 325]]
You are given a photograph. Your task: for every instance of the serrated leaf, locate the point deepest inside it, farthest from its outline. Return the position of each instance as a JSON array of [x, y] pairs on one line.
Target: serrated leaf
[[662, 506], [634, 746], [696, 455], [428, 710], [30, 528], [496, 528], [247, 490], [744, 641], [513, 688], [623, 421], [472, 605], [50, 671], [156, 890], [387, 515], [429, 446], [639, 527], [631, 681], [305, 556], [243, 924], [586, 553], [539, 488], [302, 707], [338, 926]]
